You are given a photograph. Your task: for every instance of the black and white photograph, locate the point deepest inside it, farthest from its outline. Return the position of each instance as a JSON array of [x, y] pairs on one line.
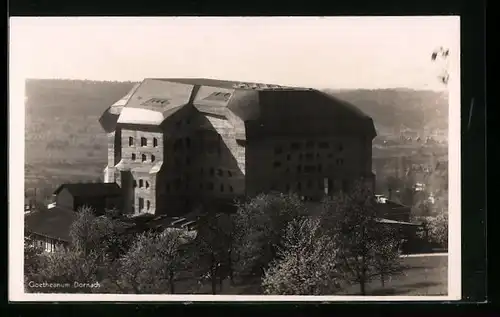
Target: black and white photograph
[[234, 158]]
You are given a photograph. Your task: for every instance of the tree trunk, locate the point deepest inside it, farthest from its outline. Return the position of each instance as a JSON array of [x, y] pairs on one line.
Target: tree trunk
[[172, 283], [221, 280], [382, 279], [213, 279], [362, 287]]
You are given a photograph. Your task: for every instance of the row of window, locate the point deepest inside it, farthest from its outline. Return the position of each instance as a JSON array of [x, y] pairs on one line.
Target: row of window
[[144, 141], [144, 157], [307, 168], [295, 146], [177, 185], [220, 172], [141, 204], [141, 184]]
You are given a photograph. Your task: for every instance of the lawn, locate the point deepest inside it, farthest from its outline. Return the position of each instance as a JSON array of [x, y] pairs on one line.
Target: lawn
[[424, 276]]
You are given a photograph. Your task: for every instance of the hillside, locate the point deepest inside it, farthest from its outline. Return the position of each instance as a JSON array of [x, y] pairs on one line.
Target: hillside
[[395, 108]]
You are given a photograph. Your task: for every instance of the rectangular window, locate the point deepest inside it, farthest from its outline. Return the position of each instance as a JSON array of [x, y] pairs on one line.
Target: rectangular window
[[219, 172], [309, 168], [295, 146], [309, 144], [288, 157], [278, 149], [130, 141], [155, 142], [299, 168], [210, 186], [143, 157], [277, 164], [309, 156], [153, 158], [144, 141], [148, 205], [141, 203], [133, 157], [323, 145]]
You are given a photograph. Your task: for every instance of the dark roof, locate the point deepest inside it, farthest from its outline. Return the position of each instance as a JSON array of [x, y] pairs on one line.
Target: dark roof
[[242, 102], [53, 223], [91, 189]]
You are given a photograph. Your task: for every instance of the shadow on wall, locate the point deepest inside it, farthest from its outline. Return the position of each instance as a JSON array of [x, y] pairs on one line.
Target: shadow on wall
[[203, 173]]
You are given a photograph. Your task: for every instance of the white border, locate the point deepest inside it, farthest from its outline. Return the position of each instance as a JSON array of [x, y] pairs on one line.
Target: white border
[[16, 208]]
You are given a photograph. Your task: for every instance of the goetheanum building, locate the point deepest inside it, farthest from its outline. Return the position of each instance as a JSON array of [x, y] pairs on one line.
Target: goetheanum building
[[176, 143]]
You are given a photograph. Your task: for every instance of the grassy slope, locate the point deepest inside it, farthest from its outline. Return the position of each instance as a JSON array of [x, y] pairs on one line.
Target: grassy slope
[[64, 141]]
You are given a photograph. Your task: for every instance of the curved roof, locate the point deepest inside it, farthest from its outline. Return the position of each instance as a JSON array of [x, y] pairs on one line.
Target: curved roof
[[154, 100]]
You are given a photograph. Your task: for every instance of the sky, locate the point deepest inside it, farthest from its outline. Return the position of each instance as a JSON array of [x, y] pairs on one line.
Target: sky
[[336, 52]]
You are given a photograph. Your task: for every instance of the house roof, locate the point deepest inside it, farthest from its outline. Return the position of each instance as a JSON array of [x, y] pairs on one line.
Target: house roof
[[90, 189], [53, 223], [154, 100]]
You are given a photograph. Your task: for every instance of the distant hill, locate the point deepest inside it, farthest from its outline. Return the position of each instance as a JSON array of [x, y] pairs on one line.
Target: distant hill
[[395, 108]]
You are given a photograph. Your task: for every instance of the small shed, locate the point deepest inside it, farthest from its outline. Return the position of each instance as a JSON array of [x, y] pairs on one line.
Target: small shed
[[97, 195], [50, 228]]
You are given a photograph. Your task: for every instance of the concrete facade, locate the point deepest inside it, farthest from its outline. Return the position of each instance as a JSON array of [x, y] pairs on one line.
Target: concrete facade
[[189, 142]]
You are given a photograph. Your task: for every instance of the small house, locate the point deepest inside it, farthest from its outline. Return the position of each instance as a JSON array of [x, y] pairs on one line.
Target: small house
[[99, 196], [50, 228]]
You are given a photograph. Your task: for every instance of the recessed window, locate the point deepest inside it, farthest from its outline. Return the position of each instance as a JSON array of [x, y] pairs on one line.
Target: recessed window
[[188, 121], [210, 186], [323, 145], [340, 161], [330, 155], [309, 156], [300, 157], [219, 172], [277, 164], [320, 168], [135, 183], [153, 158], [141, 183], [222, 187], [143, 157], [288, 157], [299, 168], [309, 144], [229, 174], [141, 203], [148, 205], [188, 161], [201, 186], [155, 142], [287, 187], [287, 170], [340, 147], [295, 146], [167, 188], [147, 184], [299, 186], [144, 141], [309, 184], [309, 168], [278, 149], [133, 156], [201, 171], [188, 143], [130, 141], [231, 189], [212, 172], [177, 183]]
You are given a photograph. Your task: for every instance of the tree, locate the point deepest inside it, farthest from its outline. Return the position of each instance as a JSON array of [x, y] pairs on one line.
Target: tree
[[443, 53], [261, 223], [154, 261], [305, 264], [33, 259], [213, 248], [65, 267], [437, 227], [104, 234], [366, 249]]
